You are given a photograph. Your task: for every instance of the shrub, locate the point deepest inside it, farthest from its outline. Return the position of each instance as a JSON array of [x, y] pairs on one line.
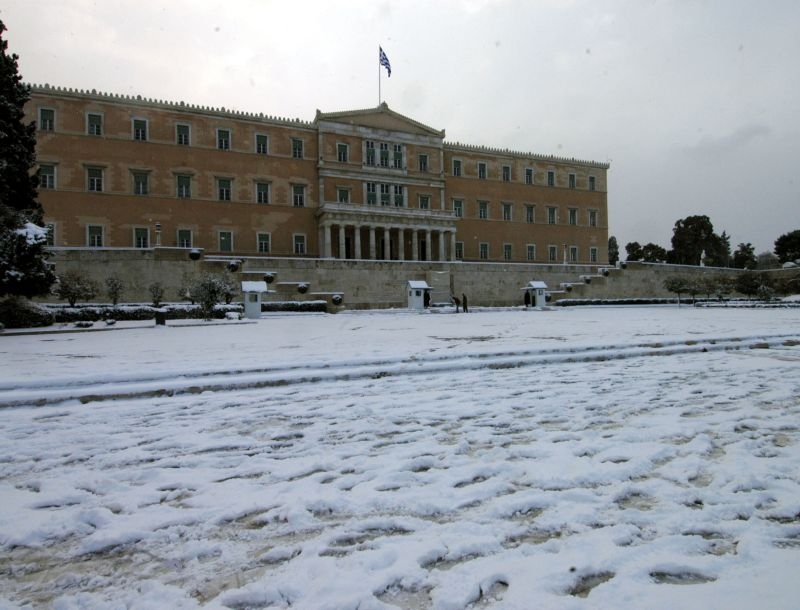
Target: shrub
[[17, 312], [114, 288], [156, 290], [74, 285]]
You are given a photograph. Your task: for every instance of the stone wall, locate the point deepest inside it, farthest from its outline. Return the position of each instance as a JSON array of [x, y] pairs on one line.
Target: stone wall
[[370, 284]]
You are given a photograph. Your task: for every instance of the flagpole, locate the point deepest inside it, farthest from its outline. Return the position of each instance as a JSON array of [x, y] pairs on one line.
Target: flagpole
[[379, 76]]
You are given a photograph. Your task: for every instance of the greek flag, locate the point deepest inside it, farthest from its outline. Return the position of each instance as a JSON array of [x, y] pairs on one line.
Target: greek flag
[[384, 61]]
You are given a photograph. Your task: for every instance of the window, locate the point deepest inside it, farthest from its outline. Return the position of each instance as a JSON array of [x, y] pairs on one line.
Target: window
[[225, 241], [483, 251], [224, 139], [384, 150], [372, 194], [530, 213], [592, 218], [552, 253], [424, 202], [531, 256], [94, 178], [141, 237], [384, 194], [456, 167], [262, 144], [573, 216], [342, 153], [483, 209], [184, 238], [94, 236], [184, 186], [423, 163], [263, 241], [507, 211], [399, 197], [459, 250], [183, 134], [51, 234], [298, 195], [573, 254], [397, 159], [94, 124], [552, 215], [299, 244], [482, 171], [551, 177], [528, 175], [343, 195], [591, 183], [224, 189], [458, 208], [262, 192], [297, 148], [506, 252], [592, 255], [506, 173], [140, 129], [140, 183], [47, 176], [370, 153], [572, 181], [47, 119]]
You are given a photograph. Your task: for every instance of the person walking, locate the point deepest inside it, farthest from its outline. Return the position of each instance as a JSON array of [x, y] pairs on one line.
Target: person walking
[[464, 303]]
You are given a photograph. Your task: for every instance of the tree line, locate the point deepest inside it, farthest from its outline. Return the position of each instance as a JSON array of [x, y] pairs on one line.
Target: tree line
[[694, 242]]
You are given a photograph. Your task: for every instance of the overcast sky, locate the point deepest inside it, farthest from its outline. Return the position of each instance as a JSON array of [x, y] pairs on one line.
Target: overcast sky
[[696, 104]]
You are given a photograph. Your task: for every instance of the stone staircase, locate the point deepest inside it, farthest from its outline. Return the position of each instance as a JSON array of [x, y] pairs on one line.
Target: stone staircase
[[586, 287]]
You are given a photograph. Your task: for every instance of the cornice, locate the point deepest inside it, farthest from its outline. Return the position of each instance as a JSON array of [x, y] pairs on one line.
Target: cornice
[[138, 100], [473, 148]]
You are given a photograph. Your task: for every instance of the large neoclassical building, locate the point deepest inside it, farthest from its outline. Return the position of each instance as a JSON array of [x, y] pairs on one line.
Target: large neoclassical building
[[126, 172]]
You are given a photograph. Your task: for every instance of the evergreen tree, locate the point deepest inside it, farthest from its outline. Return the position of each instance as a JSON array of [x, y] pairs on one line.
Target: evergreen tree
[[787, 247], [23, 268], [613, 250], [745, 257], [634, 251], [694, 236], [653, 253]]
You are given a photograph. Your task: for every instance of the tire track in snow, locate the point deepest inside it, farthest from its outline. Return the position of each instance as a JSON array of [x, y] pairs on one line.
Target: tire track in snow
[[122, 387]]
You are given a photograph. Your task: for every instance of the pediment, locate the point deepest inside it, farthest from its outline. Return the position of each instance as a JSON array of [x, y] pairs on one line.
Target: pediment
[[381, 117]]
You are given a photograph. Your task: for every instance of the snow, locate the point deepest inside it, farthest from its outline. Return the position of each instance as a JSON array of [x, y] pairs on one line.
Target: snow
[[32, 233], [594, 457]]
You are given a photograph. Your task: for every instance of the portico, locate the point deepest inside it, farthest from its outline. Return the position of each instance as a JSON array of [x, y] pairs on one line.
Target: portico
[[359, 232]]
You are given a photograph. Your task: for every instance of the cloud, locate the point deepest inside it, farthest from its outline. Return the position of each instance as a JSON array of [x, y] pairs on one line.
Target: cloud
[[741, 138]]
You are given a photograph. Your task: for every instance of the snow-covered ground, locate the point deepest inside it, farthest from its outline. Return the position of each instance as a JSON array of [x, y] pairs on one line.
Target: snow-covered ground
[[573, 458]]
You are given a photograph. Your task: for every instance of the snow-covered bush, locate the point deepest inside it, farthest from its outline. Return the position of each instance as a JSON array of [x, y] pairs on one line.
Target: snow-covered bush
[[114, 288], [16, 312], [74, 286]]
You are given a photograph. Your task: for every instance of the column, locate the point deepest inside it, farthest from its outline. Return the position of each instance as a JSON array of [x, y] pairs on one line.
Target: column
[[441, 246], [452, 245], [372, 243], [328, 253], [357, 236], [342, 251], [387, 255], [428, 249], [401, 244], [414, 245]]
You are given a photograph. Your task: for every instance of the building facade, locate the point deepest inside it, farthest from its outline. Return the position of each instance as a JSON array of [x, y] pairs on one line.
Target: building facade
[[125, 172]]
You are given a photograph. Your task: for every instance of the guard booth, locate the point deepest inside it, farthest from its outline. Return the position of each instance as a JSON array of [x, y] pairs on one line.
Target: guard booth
[[252, 292], [535, 294], [419, 294]]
